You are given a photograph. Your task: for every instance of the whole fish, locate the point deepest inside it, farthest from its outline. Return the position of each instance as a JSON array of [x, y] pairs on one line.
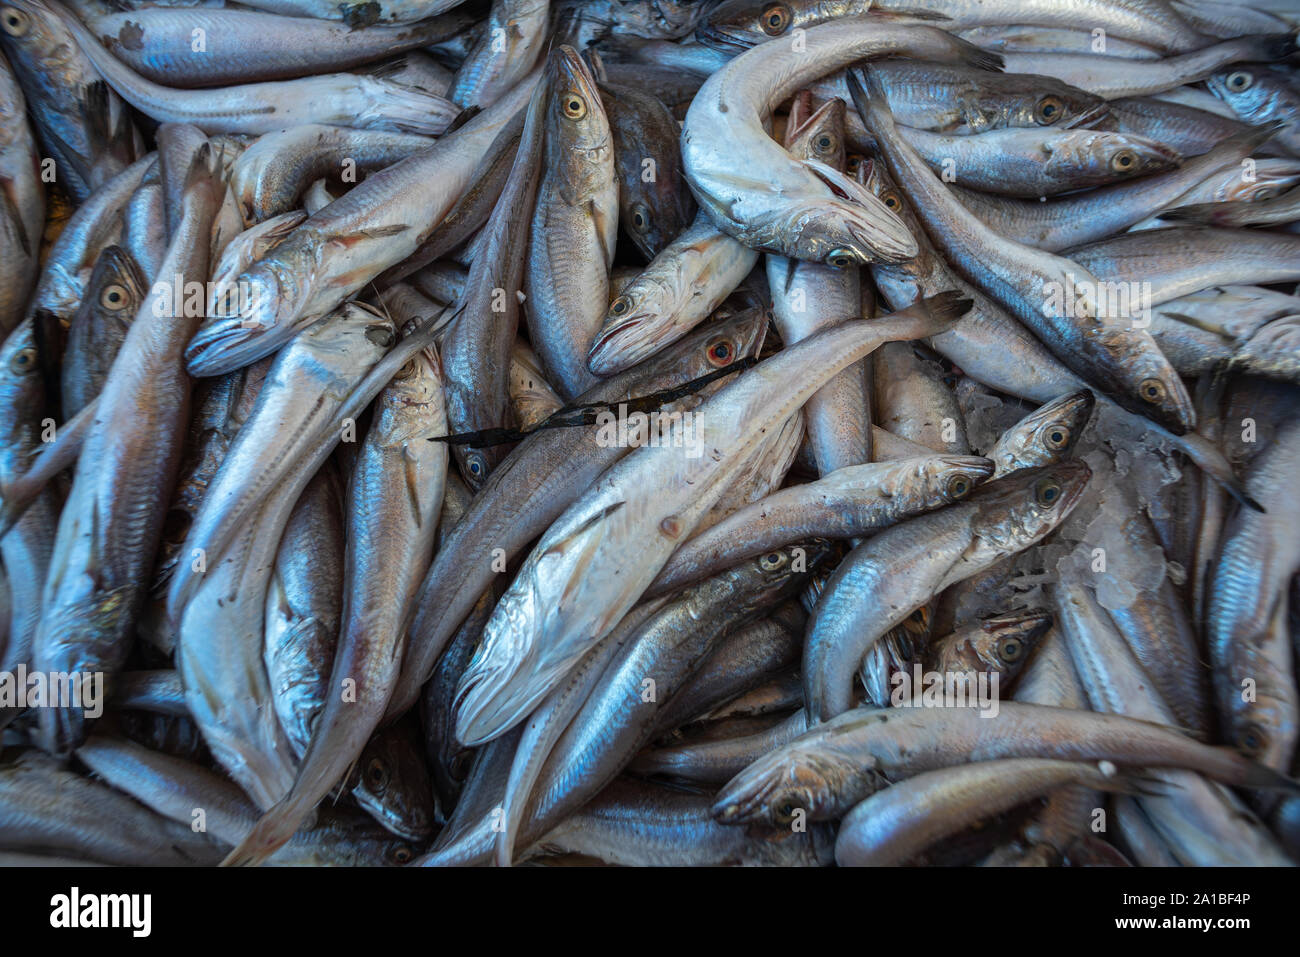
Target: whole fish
[[394, 499], [112, 523], [901, 821], [1246, 637], [654, 204], [22, 218], [778, 203], [371, 102], [303, 607], [848, 502], [1098, 213], [477, 347], [242, 46], [836, 765], [1055, 297], [807, 297], [341, 248], [1113, 78], [655, 497], [82, 124], [574, 227], [885, 579], [541, 478], [1143, 21], [1040, 162]]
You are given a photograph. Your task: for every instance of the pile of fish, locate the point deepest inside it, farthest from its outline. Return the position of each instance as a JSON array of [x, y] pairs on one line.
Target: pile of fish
[[650, 433]]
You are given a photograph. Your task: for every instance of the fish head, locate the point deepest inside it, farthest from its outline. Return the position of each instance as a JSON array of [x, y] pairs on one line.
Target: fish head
[[760, 582], [1004, 644], [637, 324], [819, 135], [1253, 90], [1046, 435], [713, 346], [1027, 100], [116, 289], [736, 25], [944, 479], [22, 386], [1101, 156], [580, 145], [1273, 176], [780, 788], [35, 37], [412, 405], [392, 783], [1020, 509], [248, 318], [1150, 386], [347, 837], [840, 233]]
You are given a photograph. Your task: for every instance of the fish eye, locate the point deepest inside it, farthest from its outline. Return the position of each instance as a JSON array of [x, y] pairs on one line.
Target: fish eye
[[771, 561], [1049, 110], [776, 19], [1124, 161], [15, 22], [113, 297], [1057, 437], [1011, 649], [891, 200], [1239, 81], [959, 486], [825, 143], [1153, 390], [381, 336], [402, 854], [24, 360], [377, 776], [720, 352], [1252, 740], [1047, 492], [840, 258], [620, 306], [475, 465], [786, 812], [640, 218], [575, 107]]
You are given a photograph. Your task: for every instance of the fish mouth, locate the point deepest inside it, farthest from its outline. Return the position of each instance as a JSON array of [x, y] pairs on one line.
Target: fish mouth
[[1030, 623], [739, 803], [610, 354], [227, 344], [724, 39], [490, 700], [1075, 475], [884, 240]]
